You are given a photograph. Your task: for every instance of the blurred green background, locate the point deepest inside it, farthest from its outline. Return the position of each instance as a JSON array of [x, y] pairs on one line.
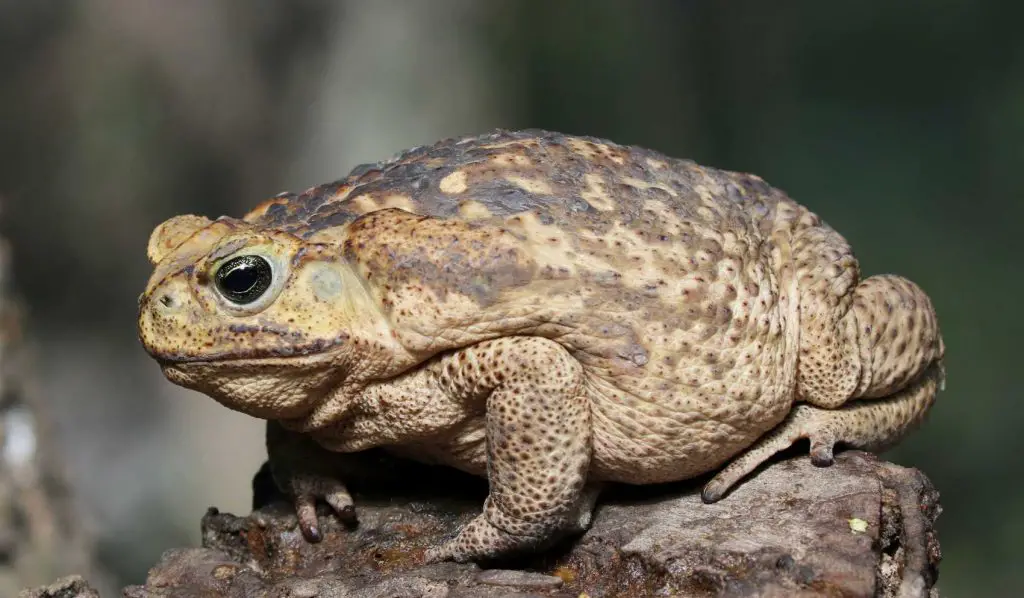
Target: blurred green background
[[901, 124]]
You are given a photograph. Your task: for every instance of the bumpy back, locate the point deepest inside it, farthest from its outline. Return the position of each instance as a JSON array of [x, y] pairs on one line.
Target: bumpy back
[[658, 272], [568, 182]]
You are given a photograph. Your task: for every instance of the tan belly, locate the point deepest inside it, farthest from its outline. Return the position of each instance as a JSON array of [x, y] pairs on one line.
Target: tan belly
[[466, 450], [684, 433], [634, 441]]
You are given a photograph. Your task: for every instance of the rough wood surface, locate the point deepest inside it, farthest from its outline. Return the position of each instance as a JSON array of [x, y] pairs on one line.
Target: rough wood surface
[[862, 527]]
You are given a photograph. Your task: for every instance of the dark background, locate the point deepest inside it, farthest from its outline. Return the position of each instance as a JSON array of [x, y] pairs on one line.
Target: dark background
[[901, 124]]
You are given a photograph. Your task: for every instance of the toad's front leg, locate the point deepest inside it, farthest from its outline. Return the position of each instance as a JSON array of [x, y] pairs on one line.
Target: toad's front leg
[[305, 473], [538, 443]]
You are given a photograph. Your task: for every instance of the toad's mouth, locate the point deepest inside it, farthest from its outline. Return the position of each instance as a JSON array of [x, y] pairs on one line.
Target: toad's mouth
[[193, 372], [198, 373], [249, 362], [284, 354]]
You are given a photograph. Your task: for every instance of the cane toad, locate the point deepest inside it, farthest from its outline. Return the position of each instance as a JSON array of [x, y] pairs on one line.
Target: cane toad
[[551, 312]]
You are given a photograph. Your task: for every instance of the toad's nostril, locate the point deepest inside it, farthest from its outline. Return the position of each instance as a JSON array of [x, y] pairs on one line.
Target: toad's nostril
[[167, 301]]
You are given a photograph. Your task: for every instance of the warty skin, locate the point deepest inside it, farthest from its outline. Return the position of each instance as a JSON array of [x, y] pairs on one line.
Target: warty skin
[[552, 312]]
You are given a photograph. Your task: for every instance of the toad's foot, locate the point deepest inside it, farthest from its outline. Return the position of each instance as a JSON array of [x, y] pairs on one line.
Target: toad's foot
[[306, 489], [481, 539], [868, 425], [583, 514], [301, 472]]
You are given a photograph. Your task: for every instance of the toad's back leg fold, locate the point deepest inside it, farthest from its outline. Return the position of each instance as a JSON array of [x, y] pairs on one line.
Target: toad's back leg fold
[[869, 425], [886, 351], [538, 443]]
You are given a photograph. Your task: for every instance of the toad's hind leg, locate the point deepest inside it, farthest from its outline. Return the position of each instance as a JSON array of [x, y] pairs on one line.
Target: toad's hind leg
[[869, 425], [885, 350]]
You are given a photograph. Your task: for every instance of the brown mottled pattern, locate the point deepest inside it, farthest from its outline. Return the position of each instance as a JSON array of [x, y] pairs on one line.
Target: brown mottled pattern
[[655, 271], [489, 162], [547, 310]]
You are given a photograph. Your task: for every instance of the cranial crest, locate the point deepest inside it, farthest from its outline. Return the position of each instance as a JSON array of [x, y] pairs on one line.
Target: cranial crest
[[171, 233]]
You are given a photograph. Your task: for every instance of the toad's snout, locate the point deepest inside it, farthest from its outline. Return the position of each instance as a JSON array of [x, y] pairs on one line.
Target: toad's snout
[[167, 320]]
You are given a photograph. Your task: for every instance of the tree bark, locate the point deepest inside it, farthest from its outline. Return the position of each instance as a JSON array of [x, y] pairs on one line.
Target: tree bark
[[862, 527]]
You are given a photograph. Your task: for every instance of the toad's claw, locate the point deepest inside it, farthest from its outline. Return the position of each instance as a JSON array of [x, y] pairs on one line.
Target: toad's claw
[[822, 448], [307, 489]]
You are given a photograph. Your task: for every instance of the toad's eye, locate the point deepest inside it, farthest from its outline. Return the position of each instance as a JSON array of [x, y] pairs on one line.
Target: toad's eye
[[244, 279]]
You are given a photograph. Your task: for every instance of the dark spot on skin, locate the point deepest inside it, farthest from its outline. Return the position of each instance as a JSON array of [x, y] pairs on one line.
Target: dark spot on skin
[[329, 219], [503, 197], [436, 263], [277, 210], [299, 256]]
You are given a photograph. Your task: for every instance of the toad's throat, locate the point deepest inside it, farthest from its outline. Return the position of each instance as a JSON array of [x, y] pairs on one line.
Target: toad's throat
[[269, 389]]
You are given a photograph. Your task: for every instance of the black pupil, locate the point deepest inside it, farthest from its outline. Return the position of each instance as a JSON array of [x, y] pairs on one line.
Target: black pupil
[[244, 279]]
